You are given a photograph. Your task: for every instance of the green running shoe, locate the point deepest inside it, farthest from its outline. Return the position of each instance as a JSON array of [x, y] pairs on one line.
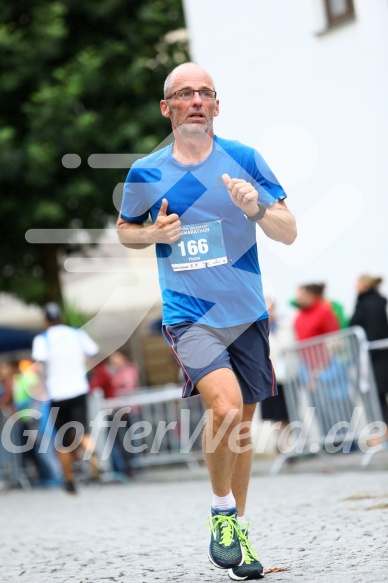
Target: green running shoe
[[225, 548], [251, 568]]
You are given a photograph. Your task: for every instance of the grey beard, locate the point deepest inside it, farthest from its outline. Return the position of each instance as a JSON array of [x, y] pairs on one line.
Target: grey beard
[[189, 130]]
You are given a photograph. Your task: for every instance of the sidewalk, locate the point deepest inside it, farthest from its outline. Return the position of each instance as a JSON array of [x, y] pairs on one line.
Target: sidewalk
[[328, 527]]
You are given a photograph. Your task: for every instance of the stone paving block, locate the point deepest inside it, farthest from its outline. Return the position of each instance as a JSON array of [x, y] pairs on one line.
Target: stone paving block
[[325, 527]]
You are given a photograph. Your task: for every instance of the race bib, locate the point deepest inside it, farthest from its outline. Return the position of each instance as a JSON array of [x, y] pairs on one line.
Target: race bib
[[200, 246]]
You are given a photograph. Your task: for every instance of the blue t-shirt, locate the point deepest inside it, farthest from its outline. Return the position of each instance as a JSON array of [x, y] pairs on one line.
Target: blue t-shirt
[[212, 275]]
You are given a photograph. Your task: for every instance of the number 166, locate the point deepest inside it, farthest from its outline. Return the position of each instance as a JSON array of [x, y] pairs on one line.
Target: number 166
[[194, 247]]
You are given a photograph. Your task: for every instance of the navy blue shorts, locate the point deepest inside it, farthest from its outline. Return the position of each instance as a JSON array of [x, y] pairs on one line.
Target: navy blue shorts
[[244, 349]]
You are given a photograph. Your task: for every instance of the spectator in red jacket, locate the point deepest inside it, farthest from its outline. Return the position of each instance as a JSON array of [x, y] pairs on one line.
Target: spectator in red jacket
[[315, 318], [316, 315], [125, 374], [101, 378], [104, 377]]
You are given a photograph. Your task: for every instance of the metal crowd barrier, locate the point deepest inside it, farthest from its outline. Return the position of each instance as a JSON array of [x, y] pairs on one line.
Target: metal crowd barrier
[[331, 396], [375, 345], [12, 472], [163, 428]]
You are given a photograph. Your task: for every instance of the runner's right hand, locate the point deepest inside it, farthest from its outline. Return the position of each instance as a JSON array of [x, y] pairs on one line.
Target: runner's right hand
[[167, 228]]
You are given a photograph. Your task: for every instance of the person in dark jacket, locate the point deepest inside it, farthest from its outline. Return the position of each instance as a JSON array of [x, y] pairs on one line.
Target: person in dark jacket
[[371, 314]]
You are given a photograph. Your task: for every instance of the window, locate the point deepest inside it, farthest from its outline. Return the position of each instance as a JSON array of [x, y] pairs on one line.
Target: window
[[339, 11]]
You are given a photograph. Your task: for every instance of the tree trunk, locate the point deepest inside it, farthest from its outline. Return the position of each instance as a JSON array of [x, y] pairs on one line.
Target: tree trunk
[[51, 268]]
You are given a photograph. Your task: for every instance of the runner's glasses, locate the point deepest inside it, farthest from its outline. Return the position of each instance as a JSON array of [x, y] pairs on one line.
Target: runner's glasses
[[186, 94]]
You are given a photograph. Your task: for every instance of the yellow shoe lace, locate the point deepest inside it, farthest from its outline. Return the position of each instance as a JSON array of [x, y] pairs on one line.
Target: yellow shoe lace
[[250, 556], [228, 525]]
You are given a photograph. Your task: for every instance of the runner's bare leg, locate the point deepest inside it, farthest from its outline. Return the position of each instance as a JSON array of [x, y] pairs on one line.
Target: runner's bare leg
[[222, 395], [243, 464], [66, 461]]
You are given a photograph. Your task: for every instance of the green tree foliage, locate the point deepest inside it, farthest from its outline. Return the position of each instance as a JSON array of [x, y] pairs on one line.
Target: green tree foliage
[[77, 77]]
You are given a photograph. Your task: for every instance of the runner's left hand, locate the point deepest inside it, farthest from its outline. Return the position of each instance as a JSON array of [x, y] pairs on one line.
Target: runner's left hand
[[242, 194]]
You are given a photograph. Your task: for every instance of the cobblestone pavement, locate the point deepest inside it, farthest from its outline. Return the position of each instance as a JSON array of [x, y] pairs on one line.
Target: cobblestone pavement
[[325, 527]]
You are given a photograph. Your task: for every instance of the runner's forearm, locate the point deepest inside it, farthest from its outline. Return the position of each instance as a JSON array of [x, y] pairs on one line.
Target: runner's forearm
[[166, 229], [279, 224], [134, 236]]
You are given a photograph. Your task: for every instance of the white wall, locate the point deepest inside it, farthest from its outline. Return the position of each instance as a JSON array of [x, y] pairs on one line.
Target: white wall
[[315, 107]]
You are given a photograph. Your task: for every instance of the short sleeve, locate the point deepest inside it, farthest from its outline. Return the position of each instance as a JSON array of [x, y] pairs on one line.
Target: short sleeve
[[39, 348], [136, 205], [267, 185], [254, 169]]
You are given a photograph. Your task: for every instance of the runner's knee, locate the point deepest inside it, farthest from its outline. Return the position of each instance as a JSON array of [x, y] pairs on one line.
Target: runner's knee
[[227, 412]]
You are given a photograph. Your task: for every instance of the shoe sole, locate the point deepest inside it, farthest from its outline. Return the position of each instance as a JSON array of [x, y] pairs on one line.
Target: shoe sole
[[226, 567], [237, 578]]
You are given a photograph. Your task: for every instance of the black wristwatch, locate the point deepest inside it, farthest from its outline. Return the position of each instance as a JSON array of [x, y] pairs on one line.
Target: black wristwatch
[[259, 215]]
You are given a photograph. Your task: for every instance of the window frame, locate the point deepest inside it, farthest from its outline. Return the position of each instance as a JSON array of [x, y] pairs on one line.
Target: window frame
[[333, 20]]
